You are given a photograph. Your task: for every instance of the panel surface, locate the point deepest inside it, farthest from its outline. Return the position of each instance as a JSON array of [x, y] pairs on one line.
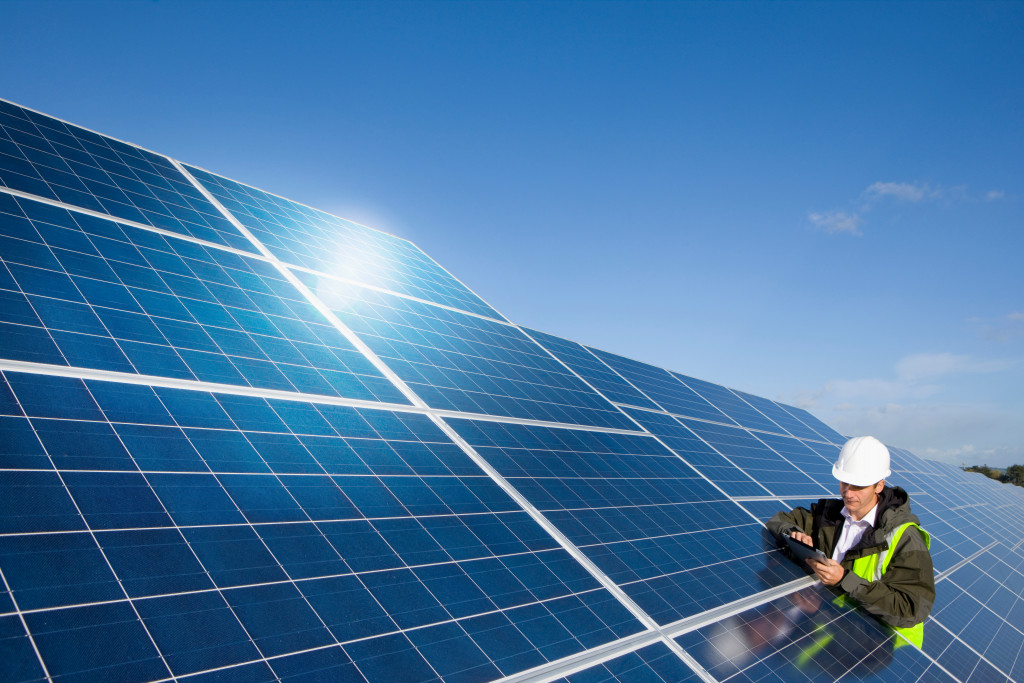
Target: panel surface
[[652, 664], [590, 368], [306, 237], [662, 387], [88, 292], [460, 362], [675, 545], [43, 156], [276, 529], [804, 637], [204, 476]]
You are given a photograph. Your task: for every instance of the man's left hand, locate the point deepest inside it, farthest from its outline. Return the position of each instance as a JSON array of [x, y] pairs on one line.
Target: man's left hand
[[829, 571]]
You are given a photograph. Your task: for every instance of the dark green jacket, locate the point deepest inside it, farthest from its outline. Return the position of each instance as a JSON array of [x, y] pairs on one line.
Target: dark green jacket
[[906, 592]]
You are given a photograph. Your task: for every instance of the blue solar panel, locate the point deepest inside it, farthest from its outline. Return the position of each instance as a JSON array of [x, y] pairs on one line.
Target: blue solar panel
[[662, 387], [297, 544], [779, 415], [764, 465], [586, 365], [826, 432], [461, 362], [652, 664], [204, 476], [54, 160], [729, 403], [691, 448], [643, 516], [324, 243], [805, 637], [87, 292]]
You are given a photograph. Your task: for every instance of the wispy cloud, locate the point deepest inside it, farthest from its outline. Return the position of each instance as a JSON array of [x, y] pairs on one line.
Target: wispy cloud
[[919, 406], [914, 377], [838, 221], [906, 191], [834, 222]]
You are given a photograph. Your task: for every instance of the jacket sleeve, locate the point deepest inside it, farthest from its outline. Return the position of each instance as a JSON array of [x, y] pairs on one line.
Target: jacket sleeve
[[797, 519], [906, 592]]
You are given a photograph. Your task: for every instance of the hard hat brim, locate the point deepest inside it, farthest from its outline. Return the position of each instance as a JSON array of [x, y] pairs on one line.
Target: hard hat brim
[[854, 480]]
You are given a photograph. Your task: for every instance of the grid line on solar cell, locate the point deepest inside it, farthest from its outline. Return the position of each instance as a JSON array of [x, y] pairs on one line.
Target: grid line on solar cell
[[583, 362], [752, 456], [697, 453], [653, 663], [85, 291], [398, 561], [978, 614], [463, 363], [779, 415], [662, 387], [46, 157], [804, 637], [313, 239], [658, 553], [738, 410], [826, 433]]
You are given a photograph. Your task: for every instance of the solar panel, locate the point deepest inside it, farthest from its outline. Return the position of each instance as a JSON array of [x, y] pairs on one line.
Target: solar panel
[[241, 438]]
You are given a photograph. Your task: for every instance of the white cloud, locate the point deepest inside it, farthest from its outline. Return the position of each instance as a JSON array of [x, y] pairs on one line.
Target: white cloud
[[908, 409], [834, 222], [905, 191], [993, 195], [952, 433], [1015, 316], [850, 221]]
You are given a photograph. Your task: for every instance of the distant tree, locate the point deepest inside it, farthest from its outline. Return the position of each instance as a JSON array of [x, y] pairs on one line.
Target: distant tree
[[1014, 474], [989, 472]]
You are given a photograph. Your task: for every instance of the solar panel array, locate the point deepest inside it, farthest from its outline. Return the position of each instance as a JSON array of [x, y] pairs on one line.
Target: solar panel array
[[245, 439]]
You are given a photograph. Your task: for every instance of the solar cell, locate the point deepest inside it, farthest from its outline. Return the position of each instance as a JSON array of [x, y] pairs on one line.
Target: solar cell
[[88, 292], [284, 551], [803, 637], [329, 245], [779, 415], [729, 403], [652, 664], [694, 450], [643, 516], [202, 466], [46, 157], [583, 362], [662, 387], [765, 466], [465, 363]]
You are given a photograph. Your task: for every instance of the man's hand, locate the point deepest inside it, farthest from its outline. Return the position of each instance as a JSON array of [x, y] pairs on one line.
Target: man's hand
[[802, 537], [829, 571]]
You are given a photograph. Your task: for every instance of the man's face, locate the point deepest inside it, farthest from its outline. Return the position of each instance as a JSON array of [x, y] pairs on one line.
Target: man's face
[[860, 499]]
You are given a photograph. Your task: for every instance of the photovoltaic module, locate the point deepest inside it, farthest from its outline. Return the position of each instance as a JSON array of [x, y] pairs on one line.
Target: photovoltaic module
[[245, 439]]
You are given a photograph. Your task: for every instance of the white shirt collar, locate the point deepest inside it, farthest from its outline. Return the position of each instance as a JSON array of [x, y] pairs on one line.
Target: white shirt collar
[[868, 519]]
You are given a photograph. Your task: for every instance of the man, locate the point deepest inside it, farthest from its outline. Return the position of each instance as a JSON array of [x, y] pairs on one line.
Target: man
[[876, 553]]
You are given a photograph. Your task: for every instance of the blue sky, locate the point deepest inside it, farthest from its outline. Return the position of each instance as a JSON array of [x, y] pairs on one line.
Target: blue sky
[[816, 202]]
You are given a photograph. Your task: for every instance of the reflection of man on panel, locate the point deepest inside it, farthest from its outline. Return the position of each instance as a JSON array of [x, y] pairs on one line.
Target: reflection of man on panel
[[876, 552]]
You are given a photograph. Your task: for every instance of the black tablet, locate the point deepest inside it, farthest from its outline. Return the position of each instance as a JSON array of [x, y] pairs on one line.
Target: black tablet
[[802, 551]]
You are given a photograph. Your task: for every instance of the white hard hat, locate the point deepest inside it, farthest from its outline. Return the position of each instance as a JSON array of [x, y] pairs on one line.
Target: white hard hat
[[863, 461]]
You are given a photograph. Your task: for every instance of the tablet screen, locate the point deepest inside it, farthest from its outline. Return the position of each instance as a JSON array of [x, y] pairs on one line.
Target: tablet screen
[[803, 551]]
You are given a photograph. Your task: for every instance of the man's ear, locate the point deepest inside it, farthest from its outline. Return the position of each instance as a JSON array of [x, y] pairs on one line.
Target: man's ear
[[879, 486]]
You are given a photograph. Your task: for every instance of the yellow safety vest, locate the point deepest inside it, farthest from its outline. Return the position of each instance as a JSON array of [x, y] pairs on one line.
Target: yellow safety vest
[[869, 569]]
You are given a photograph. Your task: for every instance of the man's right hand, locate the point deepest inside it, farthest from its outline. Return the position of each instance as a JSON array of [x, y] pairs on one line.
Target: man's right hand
[[802, 537]]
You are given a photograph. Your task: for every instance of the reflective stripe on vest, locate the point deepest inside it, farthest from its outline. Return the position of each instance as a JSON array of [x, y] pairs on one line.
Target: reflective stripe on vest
[[870, 569]]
